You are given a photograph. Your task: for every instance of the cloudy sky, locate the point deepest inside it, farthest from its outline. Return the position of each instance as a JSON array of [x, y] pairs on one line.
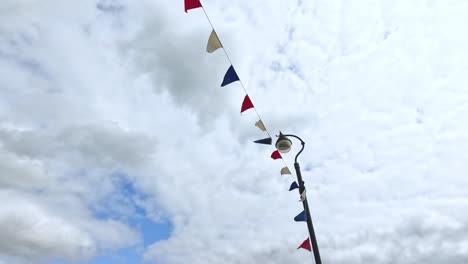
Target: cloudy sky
[[118, 145]]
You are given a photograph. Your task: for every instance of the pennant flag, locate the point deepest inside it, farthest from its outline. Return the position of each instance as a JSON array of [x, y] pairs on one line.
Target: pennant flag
[[303, 196], [285, 171], [301, 217], [230, 77], [275, 155], [247, 104], [266, 141], [191, 4], [260, 125], [213, 43], [305, 245], [293, 186]]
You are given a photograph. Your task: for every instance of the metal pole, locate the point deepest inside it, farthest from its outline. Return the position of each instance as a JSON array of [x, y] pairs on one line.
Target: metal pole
[[310, 226]]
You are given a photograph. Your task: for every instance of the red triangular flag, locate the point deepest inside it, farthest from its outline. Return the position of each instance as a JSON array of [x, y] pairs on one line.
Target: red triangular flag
[[305, 245], [247, 104], [191, 4], [276, 155]]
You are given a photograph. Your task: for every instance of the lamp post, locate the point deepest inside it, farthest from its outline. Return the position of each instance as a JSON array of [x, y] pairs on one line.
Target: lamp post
[[283, 144]]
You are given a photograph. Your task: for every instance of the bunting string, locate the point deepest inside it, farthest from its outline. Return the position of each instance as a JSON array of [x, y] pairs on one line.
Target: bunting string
[[232, 76], [214, 43]]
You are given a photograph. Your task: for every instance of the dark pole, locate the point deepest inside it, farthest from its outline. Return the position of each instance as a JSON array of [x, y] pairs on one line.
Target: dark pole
[[310, 226]]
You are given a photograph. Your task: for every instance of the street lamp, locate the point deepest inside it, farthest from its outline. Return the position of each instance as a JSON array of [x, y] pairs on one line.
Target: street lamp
[[284, 144]]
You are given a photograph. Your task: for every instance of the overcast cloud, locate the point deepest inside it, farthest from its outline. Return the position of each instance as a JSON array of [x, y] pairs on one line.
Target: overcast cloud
[[112, 110]]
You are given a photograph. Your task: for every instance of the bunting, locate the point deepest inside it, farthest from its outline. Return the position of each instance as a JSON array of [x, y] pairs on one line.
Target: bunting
[[305, 245], [285, 171], [276, 155], [266, 141], [293, 186], [213, 43], [192, 4], [301, 217], [260, 125], [246, 104], [230, 76]]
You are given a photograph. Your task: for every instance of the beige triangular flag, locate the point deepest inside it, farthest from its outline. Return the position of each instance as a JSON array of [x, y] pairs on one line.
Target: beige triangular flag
[[303, 196], [260, 125], [285, 171], [213, 43]]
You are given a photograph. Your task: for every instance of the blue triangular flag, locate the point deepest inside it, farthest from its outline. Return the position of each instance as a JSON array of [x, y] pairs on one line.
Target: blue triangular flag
[[266, 141], [301, 217], [230, 77], [293, 186]]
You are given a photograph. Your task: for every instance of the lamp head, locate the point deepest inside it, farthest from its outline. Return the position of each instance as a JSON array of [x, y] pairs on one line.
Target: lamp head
[[283, 144]]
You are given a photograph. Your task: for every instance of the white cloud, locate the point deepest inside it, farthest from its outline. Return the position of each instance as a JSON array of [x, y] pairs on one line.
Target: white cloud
[[34, 232]]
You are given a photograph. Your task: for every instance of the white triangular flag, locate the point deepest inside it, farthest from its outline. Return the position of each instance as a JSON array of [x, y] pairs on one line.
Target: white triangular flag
[[285, 171], [213, 43], [303, 196], [260, 125]]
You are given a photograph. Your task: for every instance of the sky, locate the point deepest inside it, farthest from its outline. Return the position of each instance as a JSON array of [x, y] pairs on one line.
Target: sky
[[118, 145]]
